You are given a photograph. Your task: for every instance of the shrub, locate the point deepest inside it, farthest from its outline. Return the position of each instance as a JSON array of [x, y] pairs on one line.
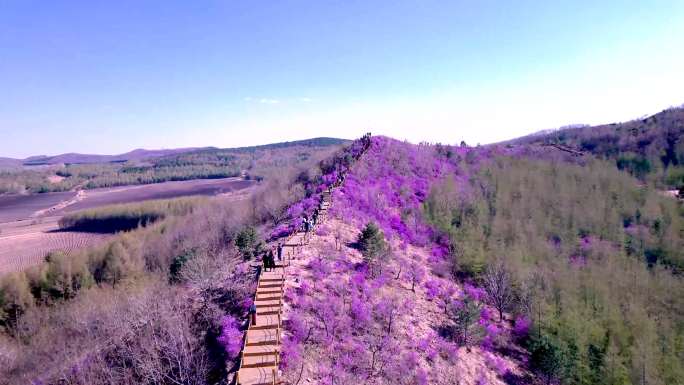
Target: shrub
[[247, 242], [179, 262], [371, 242], [546, 357], [15, 298], [64, 276], [231, 337], [464, 314], [118, 263]]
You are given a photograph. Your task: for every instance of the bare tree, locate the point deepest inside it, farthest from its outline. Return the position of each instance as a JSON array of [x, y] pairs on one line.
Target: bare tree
[[498, 283]]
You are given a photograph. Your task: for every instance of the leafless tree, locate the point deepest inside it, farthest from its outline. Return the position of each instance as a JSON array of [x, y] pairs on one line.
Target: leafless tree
[[498, 283]]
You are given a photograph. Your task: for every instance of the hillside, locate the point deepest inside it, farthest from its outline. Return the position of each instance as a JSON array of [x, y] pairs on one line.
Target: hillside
[[491, 252], [651, 148], [9, 163]]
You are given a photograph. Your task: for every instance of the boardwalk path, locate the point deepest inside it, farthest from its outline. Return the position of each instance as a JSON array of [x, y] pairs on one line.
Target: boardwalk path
[[261, 349]]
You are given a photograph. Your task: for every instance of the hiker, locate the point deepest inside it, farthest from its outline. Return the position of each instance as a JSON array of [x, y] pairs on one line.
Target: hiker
[[307, 226], [268, 261], [252, 313], [304, 223], [280, 252], [271, 259]]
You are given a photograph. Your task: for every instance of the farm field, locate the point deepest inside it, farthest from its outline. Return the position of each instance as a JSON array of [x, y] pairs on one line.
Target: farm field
[[29, 223], [15, 207], [18, 207], [26, 243], [129, 194]]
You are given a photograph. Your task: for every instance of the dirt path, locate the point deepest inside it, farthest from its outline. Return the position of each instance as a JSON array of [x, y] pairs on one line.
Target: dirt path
[[80, 195]]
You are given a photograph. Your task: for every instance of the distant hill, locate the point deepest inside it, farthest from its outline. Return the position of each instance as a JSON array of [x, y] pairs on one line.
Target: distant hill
[[143, 154], [651, 148], [76, 158], [9, 162], [71, 171]]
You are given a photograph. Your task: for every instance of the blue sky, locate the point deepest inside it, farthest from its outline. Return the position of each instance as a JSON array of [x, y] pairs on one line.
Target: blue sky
[[107, 77]]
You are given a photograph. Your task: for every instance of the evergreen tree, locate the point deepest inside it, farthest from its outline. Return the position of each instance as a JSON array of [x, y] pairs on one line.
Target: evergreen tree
[[371, 242]]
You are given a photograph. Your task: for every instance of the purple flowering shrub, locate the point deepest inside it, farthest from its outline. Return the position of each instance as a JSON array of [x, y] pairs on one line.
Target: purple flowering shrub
[[314, 185], [355, 323], [389, 186], [231, 336]]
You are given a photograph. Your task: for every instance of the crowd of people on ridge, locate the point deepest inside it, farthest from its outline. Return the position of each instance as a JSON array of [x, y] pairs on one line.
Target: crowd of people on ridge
[[308, 224]]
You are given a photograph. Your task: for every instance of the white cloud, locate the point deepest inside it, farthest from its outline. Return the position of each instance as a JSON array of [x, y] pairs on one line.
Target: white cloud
[[303, 99]]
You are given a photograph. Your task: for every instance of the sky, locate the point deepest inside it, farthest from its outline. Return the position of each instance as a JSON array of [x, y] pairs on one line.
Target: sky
[[108, 77]]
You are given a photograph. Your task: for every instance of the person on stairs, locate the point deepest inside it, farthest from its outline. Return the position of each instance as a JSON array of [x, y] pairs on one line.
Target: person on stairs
[[280, 252], [269, 263], [307, 229], [252, 313]]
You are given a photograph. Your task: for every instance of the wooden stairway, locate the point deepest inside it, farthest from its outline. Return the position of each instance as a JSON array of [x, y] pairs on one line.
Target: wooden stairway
[[261, 349]]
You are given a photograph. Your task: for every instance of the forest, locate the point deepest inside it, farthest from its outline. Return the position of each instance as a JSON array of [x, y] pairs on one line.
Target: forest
[[595, 260]]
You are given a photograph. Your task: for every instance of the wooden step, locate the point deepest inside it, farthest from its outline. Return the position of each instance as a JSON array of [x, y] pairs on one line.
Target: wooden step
[[260, 350], [257, 376], [271, 281], [266, 321], [269, 310], [263, 337], [266, 301], [270, 294], [267, 304], [268, 297], [259, 361], [269, 290], [268, 284], [267, 277], [272, 312]]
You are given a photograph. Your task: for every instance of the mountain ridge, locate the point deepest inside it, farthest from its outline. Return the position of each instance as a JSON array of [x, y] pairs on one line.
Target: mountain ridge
[[140, 154]]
